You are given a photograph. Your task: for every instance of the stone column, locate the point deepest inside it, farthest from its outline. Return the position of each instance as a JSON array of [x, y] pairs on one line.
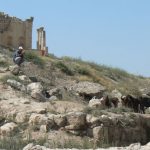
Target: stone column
[[37, 43], [41, 42], [44, 40]]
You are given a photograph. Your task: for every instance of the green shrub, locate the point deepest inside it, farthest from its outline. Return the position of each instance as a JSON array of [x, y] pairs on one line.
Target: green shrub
[[82, 70], [3, 63], [64, 68], [99, 112], [12, 77], [52, 56], [119, 110], [94, 111], [32, 57]]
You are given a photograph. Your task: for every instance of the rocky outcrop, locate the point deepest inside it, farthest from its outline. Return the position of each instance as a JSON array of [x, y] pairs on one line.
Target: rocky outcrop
[[97, 103], [40, 121], [88, 89], [35, 89], [136, 146], [14, 69], [118, 128], [17, 85], [8, 128]]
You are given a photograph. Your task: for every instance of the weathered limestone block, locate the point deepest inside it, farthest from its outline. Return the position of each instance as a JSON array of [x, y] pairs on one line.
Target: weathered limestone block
[[31, 146], [44, 128], [40, 111], [76, 119], [60, 120], [14, 69], [97, 103], [38, 96], [36, 87], [22, 117], [24, 78], [54, 91], [92, 121], [98, 132], [17, 85], [8, 129], [88, 89], [36, 120]]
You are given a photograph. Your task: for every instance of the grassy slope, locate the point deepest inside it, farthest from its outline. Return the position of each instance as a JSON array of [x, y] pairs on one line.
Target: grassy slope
[[111, 78], [76, 69]]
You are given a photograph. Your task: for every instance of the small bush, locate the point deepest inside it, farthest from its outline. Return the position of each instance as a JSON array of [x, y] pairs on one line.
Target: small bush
[[31, 56], [64, 68], [94, 111], [13, 143], [119, 110], [82, 70], [3, 63], [99, 112], [52, 56], [85, 143], [12, 77]]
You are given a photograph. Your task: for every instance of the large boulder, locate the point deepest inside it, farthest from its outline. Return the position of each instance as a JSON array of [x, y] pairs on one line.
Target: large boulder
[[60, 120], [76, 120], [14, 69], [38, 96], [8, 128], [24, 78], [97, 103], [22, 117], [38, 120], [98, 132], [117, 94], [34, 87], [17, 85], [88, 89]]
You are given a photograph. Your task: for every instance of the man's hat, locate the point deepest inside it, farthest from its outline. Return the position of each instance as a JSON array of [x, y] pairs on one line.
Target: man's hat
[[20, 47]]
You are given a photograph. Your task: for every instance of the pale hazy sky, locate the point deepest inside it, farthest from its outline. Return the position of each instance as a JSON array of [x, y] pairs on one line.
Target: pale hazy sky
[[111, 32]]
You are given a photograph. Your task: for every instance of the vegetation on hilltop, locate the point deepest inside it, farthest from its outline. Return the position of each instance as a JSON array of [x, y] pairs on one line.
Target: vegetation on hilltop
[[77, 69]]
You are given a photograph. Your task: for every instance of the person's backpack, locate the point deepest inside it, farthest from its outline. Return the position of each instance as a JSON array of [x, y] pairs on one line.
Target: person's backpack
[[16, 57]]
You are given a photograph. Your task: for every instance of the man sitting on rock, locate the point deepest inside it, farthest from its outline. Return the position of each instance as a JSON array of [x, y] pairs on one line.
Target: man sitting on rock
[[18, 57]]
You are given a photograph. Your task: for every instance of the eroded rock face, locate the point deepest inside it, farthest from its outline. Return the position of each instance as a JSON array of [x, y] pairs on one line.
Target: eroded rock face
[[76, 120], [119, 129], [135, 146], [22, 117], [37, 121], [88, 89], [14, 69], [38, 96]]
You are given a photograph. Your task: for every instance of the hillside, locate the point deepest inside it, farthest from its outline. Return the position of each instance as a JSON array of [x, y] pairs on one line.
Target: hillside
[[47, 102]]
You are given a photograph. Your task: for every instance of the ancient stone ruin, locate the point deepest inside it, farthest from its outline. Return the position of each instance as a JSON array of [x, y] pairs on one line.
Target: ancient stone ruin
[[14, 32], [41, 41]]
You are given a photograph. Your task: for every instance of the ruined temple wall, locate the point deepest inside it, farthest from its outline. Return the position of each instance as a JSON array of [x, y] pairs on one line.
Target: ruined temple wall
[[12, 35], [18, 33]]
